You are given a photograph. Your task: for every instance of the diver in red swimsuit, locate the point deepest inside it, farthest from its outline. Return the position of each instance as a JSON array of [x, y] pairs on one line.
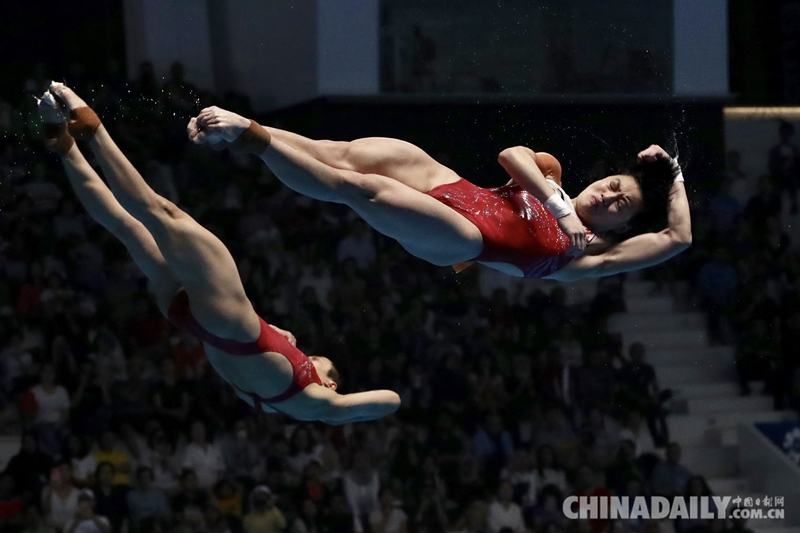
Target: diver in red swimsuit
[[528, 228], [195, 281]]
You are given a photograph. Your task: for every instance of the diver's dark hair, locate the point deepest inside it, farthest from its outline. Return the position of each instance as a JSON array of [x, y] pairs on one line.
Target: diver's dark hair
[[655, 181], [333, 373]]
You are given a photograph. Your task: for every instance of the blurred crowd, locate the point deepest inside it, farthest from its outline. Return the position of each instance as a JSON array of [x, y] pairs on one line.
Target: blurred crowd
[[746, 269], [510, 403]]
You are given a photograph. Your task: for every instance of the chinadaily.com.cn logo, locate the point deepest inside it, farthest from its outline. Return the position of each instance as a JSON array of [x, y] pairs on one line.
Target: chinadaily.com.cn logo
[[658, 507]]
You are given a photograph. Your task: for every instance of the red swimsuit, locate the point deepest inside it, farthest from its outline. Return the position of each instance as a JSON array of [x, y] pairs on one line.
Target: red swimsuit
[[516, 227], [268, 341]]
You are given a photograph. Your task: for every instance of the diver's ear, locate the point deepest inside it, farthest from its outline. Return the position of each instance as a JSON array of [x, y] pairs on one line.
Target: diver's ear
[[332, 385], [622, 228]]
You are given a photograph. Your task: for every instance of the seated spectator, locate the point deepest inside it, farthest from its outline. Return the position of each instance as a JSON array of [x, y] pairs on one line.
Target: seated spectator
[[603, 434], [557, 432], [111, 451], [390, 518], [159, 455], [29, 300], [263, 516], [203, 457], [91, 402], [595, 382], [171, 400], [640, 392], [430, 515], [469, 483], [586, 485], [110, 500], [548, 508], [548, 471], [695, 486], [623, 467], [361, 487], [504, 513], [303, 452], [633, 429], [12, 507], [30, 468], [492, 445], [473, 520], [670, 477], [86, 521], [52, 412], [215, 521], [229, 498], [310, 521], [523, 478], [83, 463], [131, 396], [191, 499], [147, 504], [60, 497], [34, 522]]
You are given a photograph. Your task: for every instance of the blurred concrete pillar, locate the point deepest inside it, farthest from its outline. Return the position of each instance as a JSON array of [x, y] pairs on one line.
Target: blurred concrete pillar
[[700, 52]]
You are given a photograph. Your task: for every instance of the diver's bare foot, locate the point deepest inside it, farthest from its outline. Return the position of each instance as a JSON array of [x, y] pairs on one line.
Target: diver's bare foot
[[214, 125], [50, 111], [54, 125], [67, 95], [83, 121]]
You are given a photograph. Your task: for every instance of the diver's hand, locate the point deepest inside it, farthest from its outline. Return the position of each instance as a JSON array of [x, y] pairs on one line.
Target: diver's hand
[[572, 226], [288, 334], [652, 153]]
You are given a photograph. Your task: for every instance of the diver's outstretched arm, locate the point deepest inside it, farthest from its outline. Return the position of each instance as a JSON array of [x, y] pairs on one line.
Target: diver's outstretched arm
[[356, 407]]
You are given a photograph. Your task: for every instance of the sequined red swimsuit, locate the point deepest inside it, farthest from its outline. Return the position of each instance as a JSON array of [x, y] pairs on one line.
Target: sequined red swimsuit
[[516, 227], [304, 372]]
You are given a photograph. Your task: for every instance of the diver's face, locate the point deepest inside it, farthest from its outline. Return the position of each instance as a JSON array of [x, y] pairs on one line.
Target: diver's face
[[323, 366], [609, 203]]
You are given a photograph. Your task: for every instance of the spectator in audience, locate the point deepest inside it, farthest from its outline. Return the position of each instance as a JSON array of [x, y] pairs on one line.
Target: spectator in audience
[[160, 457], [264, 516], [361, 488], [492, 444], [191, 499], [548, 508], [586, 485], [82, 462], [29, 468], [390, 518], [146, 504], [203, 457], [623, 468], [34, 521], [548, 472], [86, 521], [111, 451], [641, 392], [52, 414], [670, 477], [633, 430], [309, 520], [12, 507], [243, 462], [696, 486], [60, 497], [229, 498], [110, 498], [504, 513], [473, 520], [171, 400], [519, 472]]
